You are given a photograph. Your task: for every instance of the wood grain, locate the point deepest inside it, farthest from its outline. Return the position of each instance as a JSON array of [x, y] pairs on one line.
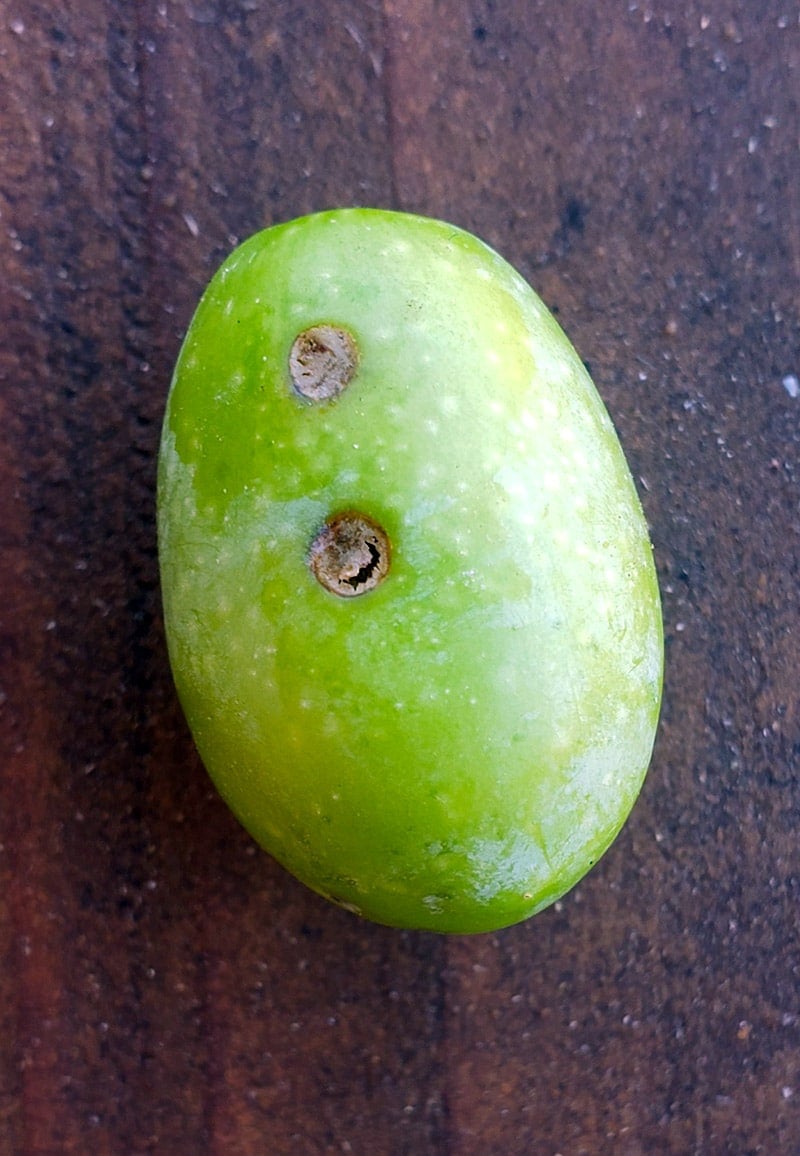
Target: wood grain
[[164, 987]]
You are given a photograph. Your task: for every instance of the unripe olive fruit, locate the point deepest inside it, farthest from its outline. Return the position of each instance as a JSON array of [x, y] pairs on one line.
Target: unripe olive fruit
[[409, 593]]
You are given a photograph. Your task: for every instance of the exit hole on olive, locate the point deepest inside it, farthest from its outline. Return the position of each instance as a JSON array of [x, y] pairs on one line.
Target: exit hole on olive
[[350, 554], [322, 362]]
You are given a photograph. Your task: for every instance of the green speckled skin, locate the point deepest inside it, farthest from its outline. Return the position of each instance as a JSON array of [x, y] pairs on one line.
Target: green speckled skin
[[454, 749]]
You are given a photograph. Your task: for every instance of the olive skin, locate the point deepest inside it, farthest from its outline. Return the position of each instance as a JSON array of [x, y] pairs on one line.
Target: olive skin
[[409, 592]]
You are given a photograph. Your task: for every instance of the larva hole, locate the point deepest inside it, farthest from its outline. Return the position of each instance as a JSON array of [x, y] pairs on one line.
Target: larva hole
[[350, 554], [322, 362]]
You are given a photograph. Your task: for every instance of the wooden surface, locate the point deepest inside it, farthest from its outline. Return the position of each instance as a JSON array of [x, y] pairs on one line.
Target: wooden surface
[[164, 987]]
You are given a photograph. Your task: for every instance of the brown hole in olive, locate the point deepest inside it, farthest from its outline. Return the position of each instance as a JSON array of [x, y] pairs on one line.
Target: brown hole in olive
[[322, 362], [350, 554]]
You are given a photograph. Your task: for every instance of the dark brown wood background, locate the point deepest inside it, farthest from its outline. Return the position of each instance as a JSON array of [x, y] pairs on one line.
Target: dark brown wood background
[[164, 987]]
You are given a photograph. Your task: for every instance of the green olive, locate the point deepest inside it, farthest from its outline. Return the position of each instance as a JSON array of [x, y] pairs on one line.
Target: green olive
[[409, 592]]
